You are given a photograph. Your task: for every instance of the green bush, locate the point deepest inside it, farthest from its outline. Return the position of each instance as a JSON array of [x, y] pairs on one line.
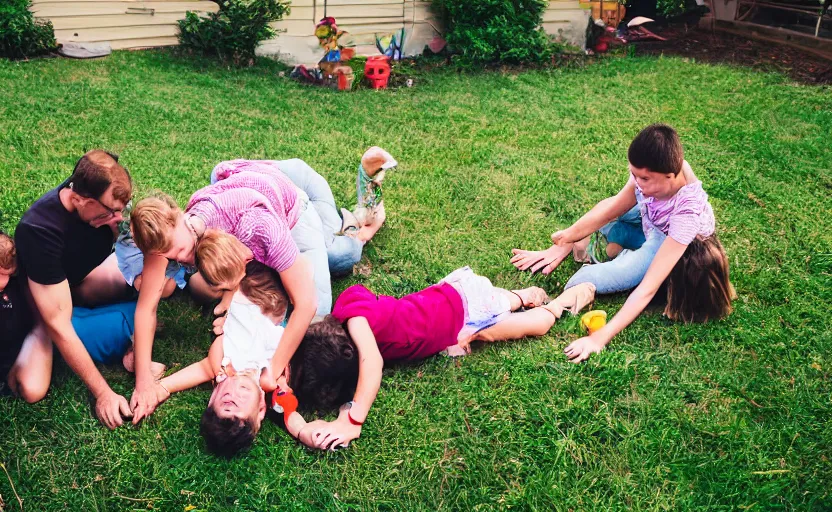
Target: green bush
[[483, 31], [20, 34], [670, 8], [233, 32]]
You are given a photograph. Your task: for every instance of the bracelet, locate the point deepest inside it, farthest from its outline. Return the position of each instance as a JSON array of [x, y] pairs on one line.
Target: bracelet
[[353, 421], [159, 382], [522, 304]]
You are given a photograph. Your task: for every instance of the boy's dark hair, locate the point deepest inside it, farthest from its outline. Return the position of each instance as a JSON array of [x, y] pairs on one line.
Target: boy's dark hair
[[8, 253], [225, 437], [658, 149], [324, 370], [96, 171]]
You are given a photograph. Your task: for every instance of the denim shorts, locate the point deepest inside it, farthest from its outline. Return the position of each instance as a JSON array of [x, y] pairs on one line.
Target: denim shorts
[[131, 263]]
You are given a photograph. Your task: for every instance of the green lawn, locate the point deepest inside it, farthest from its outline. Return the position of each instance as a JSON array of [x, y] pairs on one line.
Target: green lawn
[[725, 416]]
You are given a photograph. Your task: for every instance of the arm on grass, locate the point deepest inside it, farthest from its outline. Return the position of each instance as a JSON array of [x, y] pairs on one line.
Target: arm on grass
[[370, 365], [145, 396], [54, 305], [666, 258], [198, 373], [605, 211]]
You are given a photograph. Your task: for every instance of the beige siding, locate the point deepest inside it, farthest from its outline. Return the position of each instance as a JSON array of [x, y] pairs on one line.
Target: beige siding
[[126, 24], [137, 23]]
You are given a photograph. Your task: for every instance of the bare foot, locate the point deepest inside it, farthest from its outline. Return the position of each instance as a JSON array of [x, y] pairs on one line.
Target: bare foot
[[366, 233], [157, 370], [129, 361], [458, 350], [579, 253], [532, 297]]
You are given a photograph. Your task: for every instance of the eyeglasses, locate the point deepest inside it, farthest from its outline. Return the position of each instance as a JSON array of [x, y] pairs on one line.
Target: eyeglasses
[[111, 212]]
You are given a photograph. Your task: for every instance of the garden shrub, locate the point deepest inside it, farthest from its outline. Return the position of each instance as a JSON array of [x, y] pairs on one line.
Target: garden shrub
[[670, 8], [21, 35], [234, 31], [483, 31]]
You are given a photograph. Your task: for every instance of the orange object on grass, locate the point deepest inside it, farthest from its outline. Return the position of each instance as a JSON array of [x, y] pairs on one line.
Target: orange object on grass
[[594, 320]]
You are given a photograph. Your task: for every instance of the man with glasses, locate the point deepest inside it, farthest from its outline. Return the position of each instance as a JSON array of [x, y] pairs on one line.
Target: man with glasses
[[64, 244]]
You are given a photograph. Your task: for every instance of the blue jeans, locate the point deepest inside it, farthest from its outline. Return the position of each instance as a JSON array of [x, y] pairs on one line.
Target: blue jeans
[[626, 230], [314, 232], [106, 331], [626, 271]]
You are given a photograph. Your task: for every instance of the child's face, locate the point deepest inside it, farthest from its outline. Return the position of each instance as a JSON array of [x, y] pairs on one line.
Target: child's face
[[5, 274], [184, 244], [239, 397], [654, 184]]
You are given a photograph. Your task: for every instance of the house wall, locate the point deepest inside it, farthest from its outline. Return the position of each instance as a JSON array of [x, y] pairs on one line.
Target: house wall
[[126, 24], [137, 23]]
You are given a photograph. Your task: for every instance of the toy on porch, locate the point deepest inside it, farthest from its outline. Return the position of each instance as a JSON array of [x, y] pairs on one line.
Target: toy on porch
[[331, 71], [370, 204]]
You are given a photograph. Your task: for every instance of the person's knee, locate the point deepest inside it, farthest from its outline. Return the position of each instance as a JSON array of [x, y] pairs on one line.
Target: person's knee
[[29, 387], [170, 287]]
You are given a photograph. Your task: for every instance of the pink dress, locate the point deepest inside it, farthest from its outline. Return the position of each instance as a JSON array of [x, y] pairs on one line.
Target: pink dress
[[256, 203], [414, 327]]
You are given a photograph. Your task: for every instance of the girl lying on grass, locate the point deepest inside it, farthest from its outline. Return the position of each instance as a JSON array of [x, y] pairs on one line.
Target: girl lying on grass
[[658, 230], [366, 330]]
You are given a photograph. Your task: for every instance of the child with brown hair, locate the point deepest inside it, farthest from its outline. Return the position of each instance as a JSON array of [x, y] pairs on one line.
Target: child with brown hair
[[343, 355], [658, 229], [239, 362]]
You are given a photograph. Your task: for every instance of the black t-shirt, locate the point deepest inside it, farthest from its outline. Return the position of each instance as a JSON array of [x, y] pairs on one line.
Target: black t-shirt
[[54, 244], [15, 323]]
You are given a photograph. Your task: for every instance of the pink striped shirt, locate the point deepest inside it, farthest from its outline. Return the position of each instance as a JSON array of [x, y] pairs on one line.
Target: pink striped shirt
[[256, 203], [683, 217]]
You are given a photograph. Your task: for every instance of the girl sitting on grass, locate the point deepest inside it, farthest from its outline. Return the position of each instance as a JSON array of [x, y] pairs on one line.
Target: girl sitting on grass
[[659, 229]]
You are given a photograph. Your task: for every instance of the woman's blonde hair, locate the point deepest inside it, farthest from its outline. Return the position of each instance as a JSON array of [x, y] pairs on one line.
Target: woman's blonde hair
[[698, 288], [152, 222], [220, 258]]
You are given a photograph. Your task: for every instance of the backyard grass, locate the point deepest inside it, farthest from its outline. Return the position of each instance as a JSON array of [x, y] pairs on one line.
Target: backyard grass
[[734, 415]]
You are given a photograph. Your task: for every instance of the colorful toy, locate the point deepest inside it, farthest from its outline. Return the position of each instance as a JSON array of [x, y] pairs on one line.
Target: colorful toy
[[390, 46], [592, 321], [285, 403], [332, 71], [377, 71]]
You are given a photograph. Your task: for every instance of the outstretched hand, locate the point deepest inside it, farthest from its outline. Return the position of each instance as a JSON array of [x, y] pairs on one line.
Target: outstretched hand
[[546, 260], [335, 434], [580, 349], [145, 400]]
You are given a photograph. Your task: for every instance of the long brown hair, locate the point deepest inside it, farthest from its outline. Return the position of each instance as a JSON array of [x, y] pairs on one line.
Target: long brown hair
[[698, 288]]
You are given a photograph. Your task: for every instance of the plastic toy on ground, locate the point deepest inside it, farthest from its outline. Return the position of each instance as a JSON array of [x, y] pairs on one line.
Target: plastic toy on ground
[[592, 321]]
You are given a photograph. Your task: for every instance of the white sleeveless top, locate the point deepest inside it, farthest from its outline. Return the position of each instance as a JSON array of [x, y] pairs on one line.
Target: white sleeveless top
[[250, 338]]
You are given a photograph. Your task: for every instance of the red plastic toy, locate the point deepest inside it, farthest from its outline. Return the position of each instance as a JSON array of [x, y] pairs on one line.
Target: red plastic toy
[[377, 71], [284, 402]]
